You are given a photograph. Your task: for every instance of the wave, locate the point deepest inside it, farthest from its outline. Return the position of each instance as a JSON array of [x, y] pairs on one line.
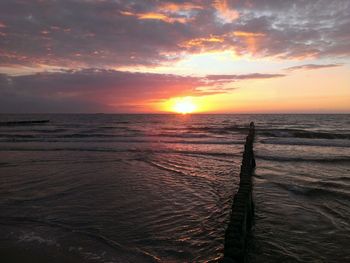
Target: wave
[[313, 191], [23, 123], [12, 137], [306, 142], [57, 130], [114, 128], [343, 159], [121, 122], [337, 183], [149, 151], [100, 135], [115, 139], [165, 168], [172, 135], [201, 132], [97, 237], [85, 135], [220, 129], [283, 132], [182, 135], [301, 134]]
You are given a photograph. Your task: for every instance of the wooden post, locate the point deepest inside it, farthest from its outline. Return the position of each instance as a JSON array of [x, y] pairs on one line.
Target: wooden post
[[242, 213]]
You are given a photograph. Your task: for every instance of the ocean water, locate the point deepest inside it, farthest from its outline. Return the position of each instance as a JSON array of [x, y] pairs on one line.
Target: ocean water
[[158, 188]]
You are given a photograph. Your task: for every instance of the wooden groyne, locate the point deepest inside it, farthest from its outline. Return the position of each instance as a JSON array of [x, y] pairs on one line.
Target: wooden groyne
[[20, 123], [242, 213]]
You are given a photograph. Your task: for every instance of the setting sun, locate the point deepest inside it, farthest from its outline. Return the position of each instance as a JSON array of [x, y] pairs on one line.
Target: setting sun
[[184, 106]]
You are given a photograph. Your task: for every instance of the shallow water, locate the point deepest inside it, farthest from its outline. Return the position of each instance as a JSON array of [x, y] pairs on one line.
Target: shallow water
[[302, 190], [143, 188]]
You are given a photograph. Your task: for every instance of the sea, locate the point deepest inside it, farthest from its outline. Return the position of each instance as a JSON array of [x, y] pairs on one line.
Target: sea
[[159, 188]]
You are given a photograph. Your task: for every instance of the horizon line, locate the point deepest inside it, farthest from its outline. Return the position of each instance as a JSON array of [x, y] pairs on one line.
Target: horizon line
[[174, 113]]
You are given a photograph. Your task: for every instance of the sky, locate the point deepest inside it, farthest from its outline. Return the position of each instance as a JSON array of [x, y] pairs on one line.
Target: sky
[[144, 56]]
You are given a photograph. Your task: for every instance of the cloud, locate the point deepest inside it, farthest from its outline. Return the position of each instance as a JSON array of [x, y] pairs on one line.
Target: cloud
[[225, 11], [99, 90], [109, 33], [312, 66], [243, 76], [92, 90], [156, 16]]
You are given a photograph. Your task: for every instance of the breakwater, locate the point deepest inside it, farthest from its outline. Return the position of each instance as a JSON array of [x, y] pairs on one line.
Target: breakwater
[[242, 213]]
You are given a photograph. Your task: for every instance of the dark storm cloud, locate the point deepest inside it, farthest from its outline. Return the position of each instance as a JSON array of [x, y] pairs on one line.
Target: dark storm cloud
[[98, 90], [84, 33], [312, 66]]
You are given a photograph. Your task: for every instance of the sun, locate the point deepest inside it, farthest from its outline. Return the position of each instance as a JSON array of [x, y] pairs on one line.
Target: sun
[[184, 106]]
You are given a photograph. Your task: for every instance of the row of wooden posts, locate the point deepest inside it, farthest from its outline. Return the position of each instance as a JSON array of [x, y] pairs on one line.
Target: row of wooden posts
[[242, 214]]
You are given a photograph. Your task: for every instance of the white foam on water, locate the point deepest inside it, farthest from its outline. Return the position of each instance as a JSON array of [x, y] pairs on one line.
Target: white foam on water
[[34, 237]]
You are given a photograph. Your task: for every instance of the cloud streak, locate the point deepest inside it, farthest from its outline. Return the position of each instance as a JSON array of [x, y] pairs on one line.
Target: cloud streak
[[98, 90], [312, 67], [244, 76]]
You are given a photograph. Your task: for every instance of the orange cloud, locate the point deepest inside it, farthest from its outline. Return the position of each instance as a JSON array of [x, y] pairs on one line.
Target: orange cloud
[[247, 34], [167, 12], [250, 38], [224, 10], [156, 16], [160, 16], [175, 7], [201, 42]]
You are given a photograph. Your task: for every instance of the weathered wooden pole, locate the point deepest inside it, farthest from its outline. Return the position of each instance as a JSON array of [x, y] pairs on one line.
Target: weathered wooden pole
[[242, 213]]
